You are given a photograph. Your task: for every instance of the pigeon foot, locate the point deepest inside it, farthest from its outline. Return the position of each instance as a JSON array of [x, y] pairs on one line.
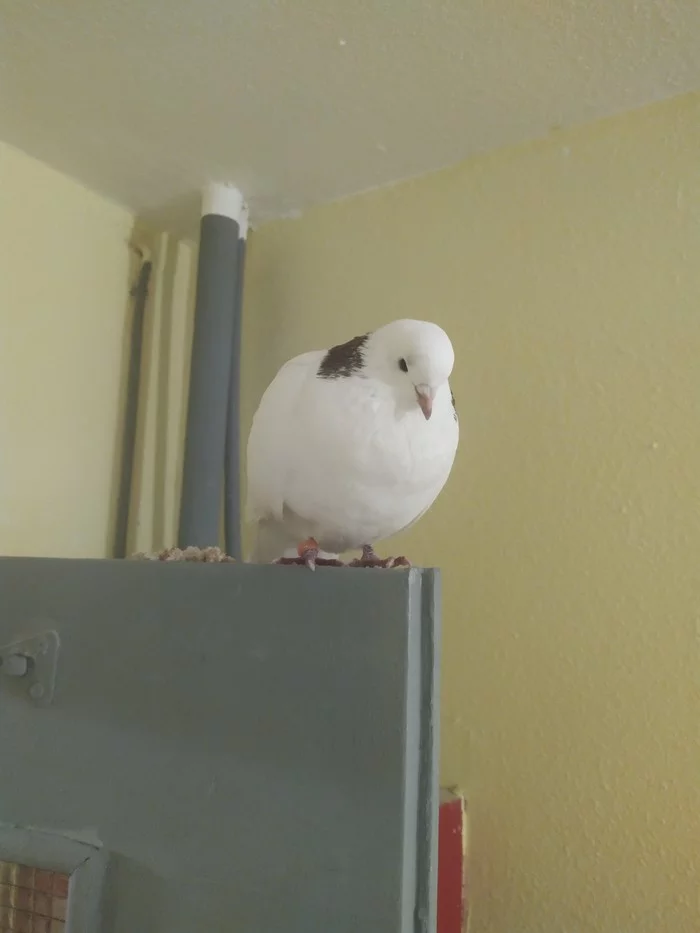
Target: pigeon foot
[[370, 559], [307, 556]]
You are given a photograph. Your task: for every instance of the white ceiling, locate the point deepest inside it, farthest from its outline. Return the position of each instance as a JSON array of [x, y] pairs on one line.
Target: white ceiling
[[303, 101]]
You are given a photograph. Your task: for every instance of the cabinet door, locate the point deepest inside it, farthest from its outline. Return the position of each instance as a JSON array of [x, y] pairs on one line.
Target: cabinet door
[[248, 749]]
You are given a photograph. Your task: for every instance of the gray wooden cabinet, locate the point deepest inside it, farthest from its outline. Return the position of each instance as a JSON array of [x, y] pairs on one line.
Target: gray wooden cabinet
[[248, 749]]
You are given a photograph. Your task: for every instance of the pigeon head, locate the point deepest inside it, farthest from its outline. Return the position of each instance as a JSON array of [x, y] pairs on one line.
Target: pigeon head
[[414, 357]]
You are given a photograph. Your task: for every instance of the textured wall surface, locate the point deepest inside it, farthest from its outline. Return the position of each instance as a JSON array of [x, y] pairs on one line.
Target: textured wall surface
[[567, 274], [64, 282], [299, 101]]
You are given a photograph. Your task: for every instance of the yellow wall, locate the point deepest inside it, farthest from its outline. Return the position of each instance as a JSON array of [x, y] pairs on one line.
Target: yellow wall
[[66, 267], [64, 279], [568, 274]]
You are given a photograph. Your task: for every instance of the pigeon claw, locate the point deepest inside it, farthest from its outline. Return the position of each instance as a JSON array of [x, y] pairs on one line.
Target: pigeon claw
[[307, 556], [308, 552], [370, 559]]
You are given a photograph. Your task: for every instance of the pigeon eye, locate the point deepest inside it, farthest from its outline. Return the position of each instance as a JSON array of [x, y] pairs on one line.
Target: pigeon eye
[[403, 365]]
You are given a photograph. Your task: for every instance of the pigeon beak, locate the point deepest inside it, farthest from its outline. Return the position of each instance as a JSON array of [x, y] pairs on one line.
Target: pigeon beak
[[424, 395]]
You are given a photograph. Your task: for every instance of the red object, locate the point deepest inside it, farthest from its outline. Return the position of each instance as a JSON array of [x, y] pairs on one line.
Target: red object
[[452, 888]]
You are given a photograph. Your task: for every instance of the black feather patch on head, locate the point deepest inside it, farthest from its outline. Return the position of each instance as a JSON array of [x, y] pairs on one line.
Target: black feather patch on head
[[344, 360]]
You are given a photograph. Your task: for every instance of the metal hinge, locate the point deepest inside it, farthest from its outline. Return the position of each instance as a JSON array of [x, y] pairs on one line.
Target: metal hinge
[[28, 666]]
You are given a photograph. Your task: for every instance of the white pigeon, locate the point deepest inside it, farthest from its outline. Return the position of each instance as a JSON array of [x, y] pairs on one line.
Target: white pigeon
[[352, 445]]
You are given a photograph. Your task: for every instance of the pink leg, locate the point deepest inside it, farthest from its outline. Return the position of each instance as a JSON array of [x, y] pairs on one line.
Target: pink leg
[[307, 556], [370, 559]]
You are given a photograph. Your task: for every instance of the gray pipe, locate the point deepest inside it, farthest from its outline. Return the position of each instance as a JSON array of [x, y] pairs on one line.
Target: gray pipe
[[232, 456], [139, 293], [205, 441]]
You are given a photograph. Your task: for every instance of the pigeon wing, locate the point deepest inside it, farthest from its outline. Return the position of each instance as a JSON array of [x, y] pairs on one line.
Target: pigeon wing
[[271, 438]]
